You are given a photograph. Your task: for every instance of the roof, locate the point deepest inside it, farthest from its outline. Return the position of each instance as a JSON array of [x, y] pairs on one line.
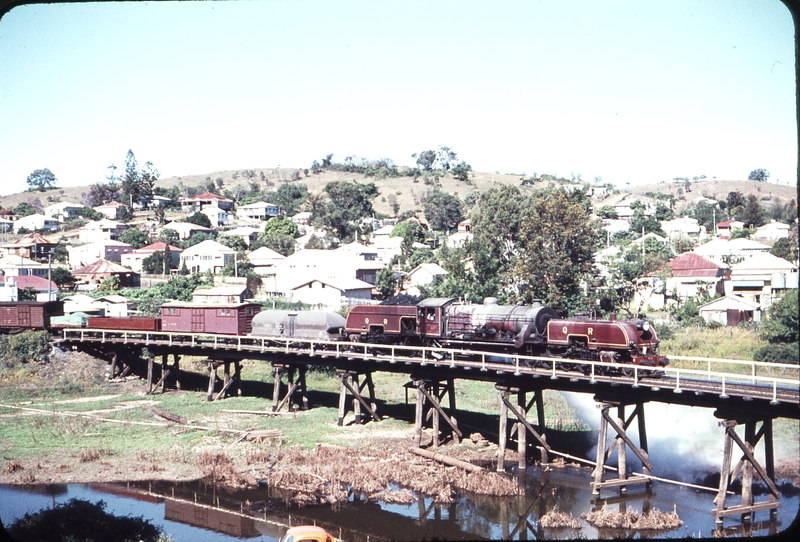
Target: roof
[[29, 240], [113, 299], [177, 225], [209, 245], [257, 205], [213, 306], [432, 268], [112, 204], [101, 266], [155, 247], [265, 253], [221, 290], [729, 302], [690, 264], [435, 301], [206, 196], [343, 284], [764, 261], [102, 224], [31, 281]]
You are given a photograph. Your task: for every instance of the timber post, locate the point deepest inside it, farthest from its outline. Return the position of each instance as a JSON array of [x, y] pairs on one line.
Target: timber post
[[114, 359], [621, 442], [430, 394], [747, 466], [176, 364], [164, 372], [355, 390], [150, 361], [277, 372], [522, 425], [212, 379]]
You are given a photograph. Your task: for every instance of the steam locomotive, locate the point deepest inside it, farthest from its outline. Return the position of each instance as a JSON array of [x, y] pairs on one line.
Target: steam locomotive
[[533, 330]]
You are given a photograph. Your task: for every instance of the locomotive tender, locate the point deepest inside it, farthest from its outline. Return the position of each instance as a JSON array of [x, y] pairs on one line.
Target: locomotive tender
[[533, 330]]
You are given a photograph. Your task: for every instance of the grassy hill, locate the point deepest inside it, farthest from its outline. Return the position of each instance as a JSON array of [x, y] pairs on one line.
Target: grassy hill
[[409, 192]]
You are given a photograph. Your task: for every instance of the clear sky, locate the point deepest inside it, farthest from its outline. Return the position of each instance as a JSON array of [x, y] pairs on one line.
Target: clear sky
[[630, 91]]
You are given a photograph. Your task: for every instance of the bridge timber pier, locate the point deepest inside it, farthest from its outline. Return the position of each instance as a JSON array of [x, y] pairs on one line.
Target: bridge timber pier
[[743, 393]]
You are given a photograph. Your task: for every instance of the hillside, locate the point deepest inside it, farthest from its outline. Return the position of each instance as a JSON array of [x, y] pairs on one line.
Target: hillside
[[407, 191]]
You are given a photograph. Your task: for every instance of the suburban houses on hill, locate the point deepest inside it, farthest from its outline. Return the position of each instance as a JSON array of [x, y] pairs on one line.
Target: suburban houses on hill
[[740, 272]]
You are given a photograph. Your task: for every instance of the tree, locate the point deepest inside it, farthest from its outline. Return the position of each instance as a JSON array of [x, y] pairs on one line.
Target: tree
[[125, 214], [24, 209], [198, 219], [168, 236], [130, 179], [557, 241], [81, 520], [155, 265], [426, 159], [752, 215], [496, 222], [62, 277], [344, 205], [281, 226], [101, 193], [639, 223], [607, 211], [290, 196], [280, 243], [784, 248], [135, 237], [385, 282], [443, 211], [232, 241], [760, 174], [461, 171], [780, 329], [41, 180]]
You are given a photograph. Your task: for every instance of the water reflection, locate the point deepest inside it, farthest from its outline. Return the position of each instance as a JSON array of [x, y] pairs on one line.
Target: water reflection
[[200, 512]]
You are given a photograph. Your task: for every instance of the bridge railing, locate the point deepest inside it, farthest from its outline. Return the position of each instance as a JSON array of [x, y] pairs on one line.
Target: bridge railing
[[714, 371]]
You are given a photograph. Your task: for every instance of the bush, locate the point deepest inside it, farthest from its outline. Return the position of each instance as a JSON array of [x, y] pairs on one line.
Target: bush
[[24, 347], [778, 353], [663, 331]]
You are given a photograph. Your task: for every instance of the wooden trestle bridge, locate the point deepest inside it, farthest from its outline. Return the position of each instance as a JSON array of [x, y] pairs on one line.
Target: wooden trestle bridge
[[742, 392]]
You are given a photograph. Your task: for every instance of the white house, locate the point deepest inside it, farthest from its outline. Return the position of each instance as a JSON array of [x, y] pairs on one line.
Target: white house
[[682, 226], [184, 229], [106, 249], [730, 310], [134, 258], [757, 278], [424, 274], [218, 217], [19, 265], [772, 231], [329, 293], [222, 295], [722, 250], [207, 255], [101, 230], [110, 305], [111, 209], [260, 210], [63, 210], [36, 222], [264, 260], [248, 233]]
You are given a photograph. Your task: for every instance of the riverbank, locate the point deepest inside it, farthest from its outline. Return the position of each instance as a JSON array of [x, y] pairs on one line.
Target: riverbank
[[64, 422]]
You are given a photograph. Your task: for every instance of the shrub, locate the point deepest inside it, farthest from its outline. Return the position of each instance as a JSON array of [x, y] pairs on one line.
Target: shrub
[[778, 353], [24, 347]]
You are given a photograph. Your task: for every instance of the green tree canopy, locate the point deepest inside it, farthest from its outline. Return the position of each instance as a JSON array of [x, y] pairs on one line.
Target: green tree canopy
[[385, 282], [41, 180], [198, 219], [135, 237], [281, 226], [443, 211], [343, 206]]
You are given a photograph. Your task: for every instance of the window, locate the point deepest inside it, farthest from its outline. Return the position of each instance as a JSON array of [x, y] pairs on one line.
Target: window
[[224, 312], [170, 311]]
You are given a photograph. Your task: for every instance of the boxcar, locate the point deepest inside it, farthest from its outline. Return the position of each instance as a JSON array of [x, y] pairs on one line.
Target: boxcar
[[133, 323], [227, 318], [22, 315]]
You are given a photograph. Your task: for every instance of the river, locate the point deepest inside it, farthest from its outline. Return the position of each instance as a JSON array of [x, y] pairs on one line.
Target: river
[[198, 512]]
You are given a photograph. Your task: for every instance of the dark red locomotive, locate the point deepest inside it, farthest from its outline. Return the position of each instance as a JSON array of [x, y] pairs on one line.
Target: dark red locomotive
[[534, 330]]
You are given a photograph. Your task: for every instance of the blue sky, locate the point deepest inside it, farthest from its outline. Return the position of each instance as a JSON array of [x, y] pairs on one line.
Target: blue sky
[[630, 91]]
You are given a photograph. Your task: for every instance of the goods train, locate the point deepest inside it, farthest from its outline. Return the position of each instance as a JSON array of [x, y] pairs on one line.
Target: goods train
[[533, 330]]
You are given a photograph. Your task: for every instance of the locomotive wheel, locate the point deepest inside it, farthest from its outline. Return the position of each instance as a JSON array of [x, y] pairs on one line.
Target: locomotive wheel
[[627, 372]]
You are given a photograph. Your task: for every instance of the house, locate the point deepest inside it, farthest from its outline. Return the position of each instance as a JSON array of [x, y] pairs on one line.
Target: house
[[207, 255], [134, 258], [459, 239], [36, 222], [758, 278], [110, 305], [264, 259], [20, 266], [324, 264], [260, 210], [729, 252], [90, 276], [302, 219], [772, 231], [184, 229], [6, 225], [44, 290], [330, 293], [63, 210], [111, 209], [730, 310], [107, 249], [248, 234], [206, 199], [381, 234], [464, 226], [682, 226], [222, 294], [725, 227], [32, 245], [101, 230], [687, 276], [422, 275], [218, 217], [615, 225]]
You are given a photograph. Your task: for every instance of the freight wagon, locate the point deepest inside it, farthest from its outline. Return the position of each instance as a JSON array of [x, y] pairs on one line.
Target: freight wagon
[[133, 323], [25, 315], [228, 318]]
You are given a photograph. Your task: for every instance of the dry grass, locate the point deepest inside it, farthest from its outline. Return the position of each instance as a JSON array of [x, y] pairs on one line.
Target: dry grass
[[332, 473], [653, 521], [14, 466], [93, 454], [555, 519], [218, 467]]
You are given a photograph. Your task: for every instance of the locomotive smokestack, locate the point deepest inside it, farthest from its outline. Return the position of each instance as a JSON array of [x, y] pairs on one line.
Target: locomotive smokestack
[[490, 301]]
